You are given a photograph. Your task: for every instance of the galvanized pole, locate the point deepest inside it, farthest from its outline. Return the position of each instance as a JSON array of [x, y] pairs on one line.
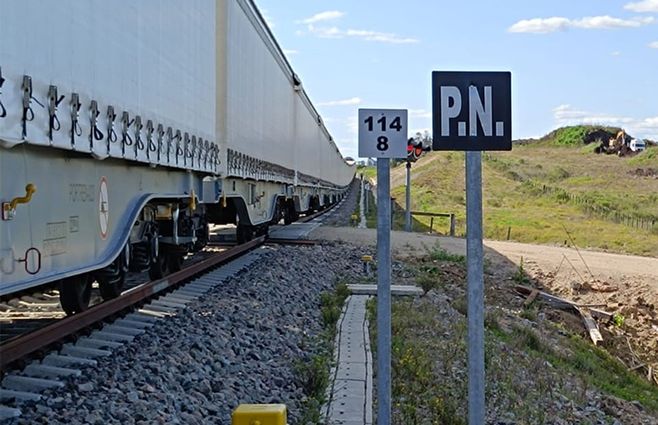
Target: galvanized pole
[[407, 218], [383, 292], [475, 273]]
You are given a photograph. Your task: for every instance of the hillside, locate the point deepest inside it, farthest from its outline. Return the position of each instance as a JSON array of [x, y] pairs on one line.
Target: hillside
[[541, 190]]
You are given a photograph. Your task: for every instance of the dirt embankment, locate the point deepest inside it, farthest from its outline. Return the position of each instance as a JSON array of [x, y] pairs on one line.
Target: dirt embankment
[[623, 284]]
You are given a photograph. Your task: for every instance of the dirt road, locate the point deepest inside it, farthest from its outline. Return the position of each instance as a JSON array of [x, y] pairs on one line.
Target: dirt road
[[602, 265]]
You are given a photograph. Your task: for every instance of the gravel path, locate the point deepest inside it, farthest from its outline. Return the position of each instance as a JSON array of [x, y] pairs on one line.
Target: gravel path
[[239, 345]]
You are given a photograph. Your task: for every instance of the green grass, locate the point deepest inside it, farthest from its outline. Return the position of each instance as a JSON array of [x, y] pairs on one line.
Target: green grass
[[439, 254], [313, 375], [605, 372], [368, 172], [417, 396], [647, 157], [537, 188], [427, 349]]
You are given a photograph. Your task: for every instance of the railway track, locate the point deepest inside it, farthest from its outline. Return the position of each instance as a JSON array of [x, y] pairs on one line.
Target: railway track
[[27, 313], [42, 359], [40, 356]]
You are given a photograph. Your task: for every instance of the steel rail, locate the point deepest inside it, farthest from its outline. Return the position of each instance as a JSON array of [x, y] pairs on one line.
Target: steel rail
[[24, 345]]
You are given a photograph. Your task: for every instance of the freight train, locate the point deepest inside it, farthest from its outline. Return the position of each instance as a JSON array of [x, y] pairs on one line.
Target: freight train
[[128, 127]]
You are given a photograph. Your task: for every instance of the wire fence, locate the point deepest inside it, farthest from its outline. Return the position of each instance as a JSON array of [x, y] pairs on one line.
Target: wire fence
[[591, 206]]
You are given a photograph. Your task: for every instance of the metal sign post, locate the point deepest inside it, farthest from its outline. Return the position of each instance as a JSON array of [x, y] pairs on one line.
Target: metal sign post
[[383, 134], [383, 292], [475, 278], [407, 215], [472, 112]]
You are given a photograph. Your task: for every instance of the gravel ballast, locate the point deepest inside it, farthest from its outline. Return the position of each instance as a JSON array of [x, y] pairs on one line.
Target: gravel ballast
[[238, 345]]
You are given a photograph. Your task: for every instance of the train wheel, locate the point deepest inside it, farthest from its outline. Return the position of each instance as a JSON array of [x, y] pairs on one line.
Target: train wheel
[[287, 215], [159, 267], [174, 261], [244, 233], [113, 277], [75, 294], [111, 287], [202, 235], [262, 230]]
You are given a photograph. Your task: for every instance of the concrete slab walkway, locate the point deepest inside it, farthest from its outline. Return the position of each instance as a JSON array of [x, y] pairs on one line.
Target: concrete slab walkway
[[350, 400]]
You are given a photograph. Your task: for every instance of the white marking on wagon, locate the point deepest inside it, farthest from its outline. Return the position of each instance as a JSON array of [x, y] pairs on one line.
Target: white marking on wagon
[[103, 207]]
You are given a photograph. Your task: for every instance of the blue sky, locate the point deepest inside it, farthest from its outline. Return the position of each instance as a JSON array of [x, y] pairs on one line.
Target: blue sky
[[590, 61]]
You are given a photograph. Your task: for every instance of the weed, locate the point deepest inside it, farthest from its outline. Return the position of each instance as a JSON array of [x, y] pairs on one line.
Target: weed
[[440, 254], [311, 412], [618, 320], [313, 373], [417, 396], [491, 322], [331, 304], [460, 305], [598, 368], [427, 282], [520, 275], [525, 337], [529, 314]]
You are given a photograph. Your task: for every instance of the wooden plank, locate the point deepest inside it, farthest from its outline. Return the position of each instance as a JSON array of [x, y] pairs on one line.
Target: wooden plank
[[563, 303], [590, 325], [551, 299], [531, 298], [430, 214]]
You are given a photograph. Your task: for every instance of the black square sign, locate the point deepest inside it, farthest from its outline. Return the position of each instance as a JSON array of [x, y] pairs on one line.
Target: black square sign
[[471, 111]]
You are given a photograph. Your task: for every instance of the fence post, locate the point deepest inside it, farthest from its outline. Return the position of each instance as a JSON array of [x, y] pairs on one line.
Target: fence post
[[431, 224], [452, 224]]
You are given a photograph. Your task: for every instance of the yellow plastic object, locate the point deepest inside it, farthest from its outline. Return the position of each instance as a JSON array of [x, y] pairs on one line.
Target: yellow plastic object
[[366, 258], [260, 414]]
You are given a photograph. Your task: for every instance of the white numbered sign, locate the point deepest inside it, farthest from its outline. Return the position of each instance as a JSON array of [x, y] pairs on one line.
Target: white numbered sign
[[383, 133]]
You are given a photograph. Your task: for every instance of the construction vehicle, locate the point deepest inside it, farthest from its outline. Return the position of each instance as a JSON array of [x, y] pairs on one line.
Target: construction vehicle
[[621, 145]]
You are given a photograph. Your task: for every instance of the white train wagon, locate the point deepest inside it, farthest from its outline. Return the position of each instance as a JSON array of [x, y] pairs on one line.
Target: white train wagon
[[127, 127]]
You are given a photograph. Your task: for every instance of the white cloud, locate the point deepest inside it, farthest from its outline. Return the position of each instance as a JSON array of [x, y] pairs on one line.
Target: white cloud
[[379, 36], [322, 16], [290, 52], [540, 25], [654, 45], [643, 6], [342, 102], [638, 127], [607, 22], [335, 32], [419, 113], [615, 53], [548, 25]]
